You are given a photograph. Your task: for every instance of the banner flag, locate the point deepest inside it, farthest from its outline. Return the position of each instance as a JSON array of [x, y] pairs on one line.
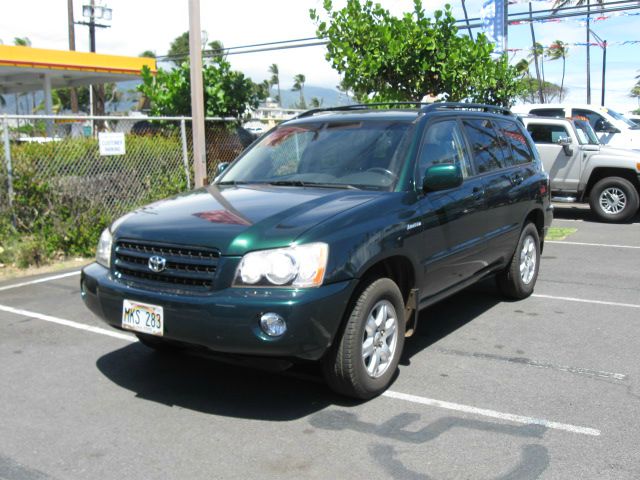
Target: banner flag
[[494, 24]]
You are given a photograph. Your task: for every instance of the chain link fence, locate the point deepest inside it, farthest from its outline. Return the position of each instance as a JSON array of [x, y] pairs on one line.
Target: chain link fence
[[62, 178], [114, 163]]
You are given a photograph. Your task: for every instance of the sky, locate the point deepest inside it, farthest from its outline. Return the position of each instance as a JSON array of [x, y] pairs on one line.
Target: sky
[[140, 25]]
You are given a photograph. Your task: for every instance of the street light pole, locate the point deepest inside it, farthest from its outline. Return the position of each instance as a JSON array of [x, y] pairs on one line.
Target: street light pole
[[197, 95], [603, 45]]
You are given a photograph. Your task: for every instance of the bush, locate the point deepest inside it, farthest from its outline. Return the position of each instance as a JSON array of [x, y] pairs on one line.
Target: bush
[[65, 194]]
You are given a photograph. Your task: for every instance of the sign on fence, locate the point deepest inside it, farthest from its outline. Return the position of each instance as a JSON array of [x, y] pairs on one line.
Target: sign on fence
[[111, 143]]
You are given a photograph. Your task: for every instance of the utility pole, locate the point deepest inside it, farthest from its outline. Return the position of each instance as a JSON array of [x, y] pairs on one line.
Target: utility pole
[[73, 94], [588, 52], [197, 95]]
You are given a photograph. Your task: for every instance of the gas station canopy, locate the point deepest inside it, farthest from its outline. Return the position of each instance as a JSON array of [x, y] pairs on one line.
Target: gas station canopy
[[25, 69]]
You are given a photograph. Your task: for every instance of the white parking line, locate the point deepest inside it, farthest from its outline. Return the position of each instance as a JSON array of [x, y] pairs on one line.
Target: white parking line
[[561, 242], [491, 413], [584, 300], [389, 393], [68, 323], [40, 280]]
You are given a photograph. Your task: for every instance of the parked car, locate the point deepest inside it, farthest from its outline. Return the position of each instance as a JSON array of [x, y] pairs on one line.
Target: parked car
[[581, 169], [612, 128], [324, 240], [635, 119]]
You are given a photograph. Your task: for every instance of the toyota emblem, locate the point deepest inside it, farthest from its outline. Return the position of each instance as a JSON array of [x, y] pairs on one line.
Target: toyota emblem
[[157, 264]]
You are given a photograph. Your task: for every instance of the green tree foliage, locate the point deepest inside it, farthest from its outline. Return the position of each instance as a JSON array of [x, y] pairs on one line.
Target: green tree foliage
[[551, 91], [179, 49], [558, 50], [275, 79], [148, 54], [227, 93], [386, 58], [298, 86]]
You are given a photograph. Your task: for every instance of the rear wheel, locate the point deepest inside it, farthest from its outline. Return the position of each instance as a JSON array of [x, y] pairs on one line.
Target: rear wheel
[[518, 280], [365, 358], [614, 199]]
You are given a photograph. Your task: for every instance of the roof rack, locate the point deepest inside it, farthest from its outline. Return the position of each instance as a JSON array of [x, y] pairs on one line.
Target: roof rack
[[357, 106], [424, 107], [465, 106]]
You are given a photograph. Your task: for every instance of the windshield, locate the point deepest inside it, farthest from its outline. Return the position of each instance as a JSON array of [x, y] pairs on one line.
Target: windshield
[[586, 135], [364, 154], [622, 118]]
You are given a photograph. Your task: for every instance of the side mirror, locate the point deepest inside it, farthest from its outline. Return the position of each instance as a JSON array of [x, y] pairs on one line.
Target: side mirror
[[221, 168], [565, 142], [441, 177]]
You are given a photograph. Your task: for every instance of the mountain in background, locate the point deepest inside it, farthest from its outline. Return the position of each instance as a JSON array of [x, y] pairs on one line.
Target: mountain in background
[[328, 96]]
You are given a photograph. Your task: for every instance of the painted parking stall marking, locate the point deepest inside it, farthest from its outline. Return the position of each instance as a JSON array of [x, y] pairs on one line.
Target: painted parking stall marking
[[584, 300], [40, 280], [585, 244], [491, 413], [389, 393]]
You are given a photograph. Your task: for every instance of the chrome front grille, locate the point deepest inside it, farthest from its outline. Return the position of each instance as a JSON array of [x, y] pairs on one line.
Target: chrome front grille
[[186, 267]]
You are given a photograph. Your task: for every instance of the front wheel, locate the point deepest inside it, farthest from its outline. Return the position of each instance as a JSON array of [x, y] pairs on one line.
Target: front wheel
[[614, 199], [518, 280], [365, 358]]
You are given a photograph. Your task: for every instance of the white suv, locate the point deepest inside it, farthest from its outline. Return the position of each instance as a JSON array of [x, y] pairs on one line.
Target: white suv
[[613, 128]]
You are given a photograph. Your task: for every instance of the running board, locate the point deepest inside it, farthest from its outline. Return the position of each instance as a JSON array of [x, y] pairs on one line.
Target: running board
[[564, 199]]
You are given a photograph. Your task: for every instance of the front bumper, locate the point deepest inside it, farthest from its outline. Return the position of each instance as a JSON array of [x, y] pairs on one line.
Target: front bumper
[[227, 320]]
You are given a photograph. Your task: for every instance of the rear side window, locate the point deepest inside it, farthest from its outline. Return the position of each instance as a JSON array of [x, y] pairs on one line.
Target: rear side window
[[486, 145], [548, 112], [547, 133], [514, 137], [443, 143]]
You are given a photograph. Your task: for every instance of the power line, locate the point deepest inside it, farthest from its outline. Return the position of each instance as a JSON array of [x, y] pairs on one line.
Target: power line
[[516, 18]]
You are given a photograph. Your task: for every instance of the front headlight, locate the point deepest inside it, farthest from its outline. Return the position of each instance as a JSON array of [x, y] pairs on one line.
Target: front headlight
[[297, 266], [103, 252]]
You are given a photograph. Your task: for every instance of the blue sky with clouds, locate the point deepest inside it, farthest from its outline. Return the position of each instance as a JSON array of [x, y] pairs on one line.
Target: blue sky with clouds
[[152, 24]]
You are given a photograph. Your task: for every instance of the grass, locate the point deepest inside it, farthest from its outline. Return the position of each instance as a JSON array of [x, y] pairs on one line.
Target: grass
[[559, 233]]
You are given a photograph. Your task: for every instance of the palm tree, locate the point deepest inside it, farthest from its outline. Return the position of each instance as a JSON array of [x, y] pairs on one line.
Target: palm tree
[[522, 67], [298, 86], [579, 3], [559, 50], [275, 79], [316, 102], [537, 52]]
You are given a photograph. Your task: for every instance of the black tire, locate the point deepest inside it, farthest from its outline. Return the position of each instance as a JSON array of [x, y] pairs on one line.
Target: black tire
[[598, 198], [344, 367], [157, 343], [510, 280]]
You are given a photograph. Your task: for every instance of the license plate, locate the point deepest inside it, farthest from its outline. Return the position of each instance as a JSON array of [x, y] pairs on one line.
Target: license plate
[[142, 317]]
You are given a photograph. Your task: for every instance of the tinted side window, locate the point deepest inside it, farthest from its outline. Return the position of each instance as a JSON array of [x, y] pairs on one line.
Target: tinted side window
[[486, 145], [547, 133], [443, 143], [596, 120], [548, 112], [520, 150]]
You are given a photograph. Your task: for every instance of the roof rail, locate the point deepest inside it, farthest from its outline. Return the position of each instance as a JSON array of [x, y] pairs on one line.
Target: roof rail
[[357, 106], [465, 106]]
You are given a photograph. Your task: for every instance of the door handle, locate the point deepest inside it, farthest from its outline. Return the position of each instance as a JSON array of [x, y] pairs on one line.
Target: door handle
[[517, 179]]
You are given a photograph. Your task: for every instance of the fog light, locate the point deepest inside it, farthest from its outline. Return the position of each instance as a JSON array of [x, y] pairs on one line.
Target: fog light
[[273, 324]]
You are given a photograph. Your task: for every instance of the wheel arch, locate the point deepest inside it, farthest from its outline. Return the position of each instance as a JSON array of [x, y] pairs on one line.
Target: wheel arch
[[599, 173]]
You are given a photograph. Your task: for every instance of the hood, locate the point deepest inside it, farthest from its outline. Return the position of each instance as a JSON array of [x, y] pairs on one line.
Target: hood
[[237, 219], [632, 154]]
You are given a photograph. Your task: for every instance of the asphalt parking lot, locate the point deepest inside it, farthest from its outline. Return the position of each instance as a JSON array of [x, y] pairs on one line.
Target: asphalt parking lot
[[548, 387]]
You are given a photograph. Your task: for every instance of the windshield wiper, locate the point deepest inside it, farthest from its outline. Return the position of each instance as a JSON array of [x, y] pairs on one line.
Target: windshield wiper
[[300, 183], [288, 183], [232, 182]]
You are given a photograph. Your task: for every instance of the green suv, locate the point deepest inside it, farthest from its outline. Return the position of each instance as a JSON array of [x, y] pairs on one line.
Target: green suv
[[324, 239]]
